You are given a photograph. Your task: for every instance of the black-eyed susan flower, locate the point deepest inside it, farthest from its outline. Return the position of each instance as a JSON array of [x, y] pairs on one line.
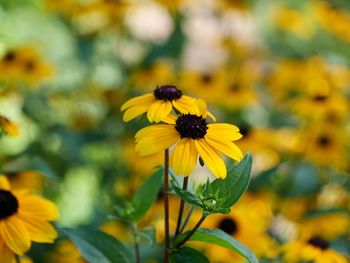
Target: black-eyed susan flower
[[8, 127], [315, 249], [192, 136], [159, 104], [23, 218]]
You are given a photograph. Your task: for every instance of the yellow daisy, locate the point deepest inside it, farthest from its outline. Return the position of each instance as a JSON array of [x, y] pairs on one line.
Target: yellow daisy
[[23, 218], [315, 250], [192, 137], [8, 127], [159, 104]]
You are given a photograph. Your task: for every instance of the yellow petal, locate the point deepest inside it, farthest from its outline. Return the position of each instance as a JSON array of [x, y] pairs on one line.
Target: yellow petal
[[227, 148], [4, 183], [133, 112], [39, 230], [211, 158], [140, 100], [6, 255], [170, 119], [155, 130], [155, 139], [15, 235], [159, 110], [37, 207], [184, 157], [223, 131], [186, 105]]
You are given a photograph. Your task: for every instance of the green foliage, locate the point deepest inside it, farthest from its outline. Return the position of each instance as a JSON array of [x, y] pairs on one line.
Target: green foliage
[[26, 163], [98, 247], [220, 195], [188, 255], [147, 235], [220, 238], [143, 199]]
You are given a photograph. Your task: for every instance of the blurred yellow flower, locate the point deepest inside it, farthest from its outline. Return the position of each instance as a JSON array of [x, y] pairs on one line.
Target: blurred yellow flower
[[23, 218], [159, 104], [8, 127], [315, 249]]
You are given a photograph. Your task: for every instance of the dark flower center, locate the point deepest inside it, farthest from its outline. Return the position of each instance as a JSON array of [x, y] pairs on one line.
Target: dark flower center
[[206, 78], [167, 92], [318, 242], [228, 225], [323, 141], [245, 130], [235, 87], [8, 204], [10, 56], [29, 66], [191, 126], [320, 98]]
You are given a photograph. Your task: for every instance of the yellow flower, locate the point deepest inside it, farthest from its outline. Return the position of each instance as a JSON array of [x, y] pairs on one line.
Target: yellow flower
[[23, 218], [248, 223], [8, 127], [159, 104], [192, 137], [315, 249]]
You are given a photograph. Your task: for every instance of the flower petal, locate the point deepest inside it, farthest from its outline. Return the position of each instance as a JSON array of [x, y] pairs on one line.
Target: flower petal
[[37, 207], [155, 139], [4, 183], [186, 105], [6, 255], [39, 230], [223, 131], [211, 158], [15, 235], [184, 157], [133, 112], [159, 110], [139, 100], [229, 148]]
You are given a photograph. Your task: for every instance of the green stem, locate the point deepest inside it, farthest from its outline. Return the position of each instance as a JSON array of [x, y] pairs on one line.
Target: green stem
[[181, 209], [186, 219], [166, 206], [136, 244], [194, 229]]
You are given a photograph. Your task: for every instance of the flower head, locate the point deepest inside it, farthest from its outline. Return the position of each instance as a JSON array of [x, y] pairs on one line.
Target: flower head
[[23, 218], [192, 136], [159, 104]]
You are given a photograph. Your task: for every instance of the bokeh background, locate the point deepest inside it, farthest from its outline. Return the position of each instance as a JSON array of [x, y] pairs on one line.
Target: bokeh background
[[277, 69]]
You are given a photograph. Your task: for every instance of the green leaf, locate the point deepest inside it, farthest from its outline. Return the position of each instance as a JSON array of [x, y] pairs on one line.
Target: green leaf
[[186, 195], [98, 247], [28, 164], [145, 196], [148, 235], [230, 189], [219, 237], [187, 255]]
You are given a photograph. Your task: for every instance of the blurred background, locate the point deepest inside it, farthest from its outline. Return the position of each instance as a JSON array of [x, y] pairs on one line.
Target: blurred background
[[277, 69]]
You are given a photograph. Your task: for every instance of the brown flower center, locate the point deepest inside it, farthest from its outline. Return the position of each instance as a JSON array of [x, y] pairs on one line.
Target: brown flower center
[[8, 204]]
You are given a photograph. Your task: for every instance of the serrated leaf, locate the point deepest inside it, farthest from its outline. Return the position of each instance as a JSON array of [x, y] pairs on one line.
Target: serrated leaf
[[98, 247], [188, 255], [145, 196], [28, 164], [220, 238]]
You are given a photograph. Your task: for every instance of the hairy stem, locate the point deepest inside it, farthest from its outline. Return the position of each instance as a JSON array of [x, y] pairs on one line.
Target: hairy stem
[[186, 220], [136, 245], [194, 229], [181, 209]]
